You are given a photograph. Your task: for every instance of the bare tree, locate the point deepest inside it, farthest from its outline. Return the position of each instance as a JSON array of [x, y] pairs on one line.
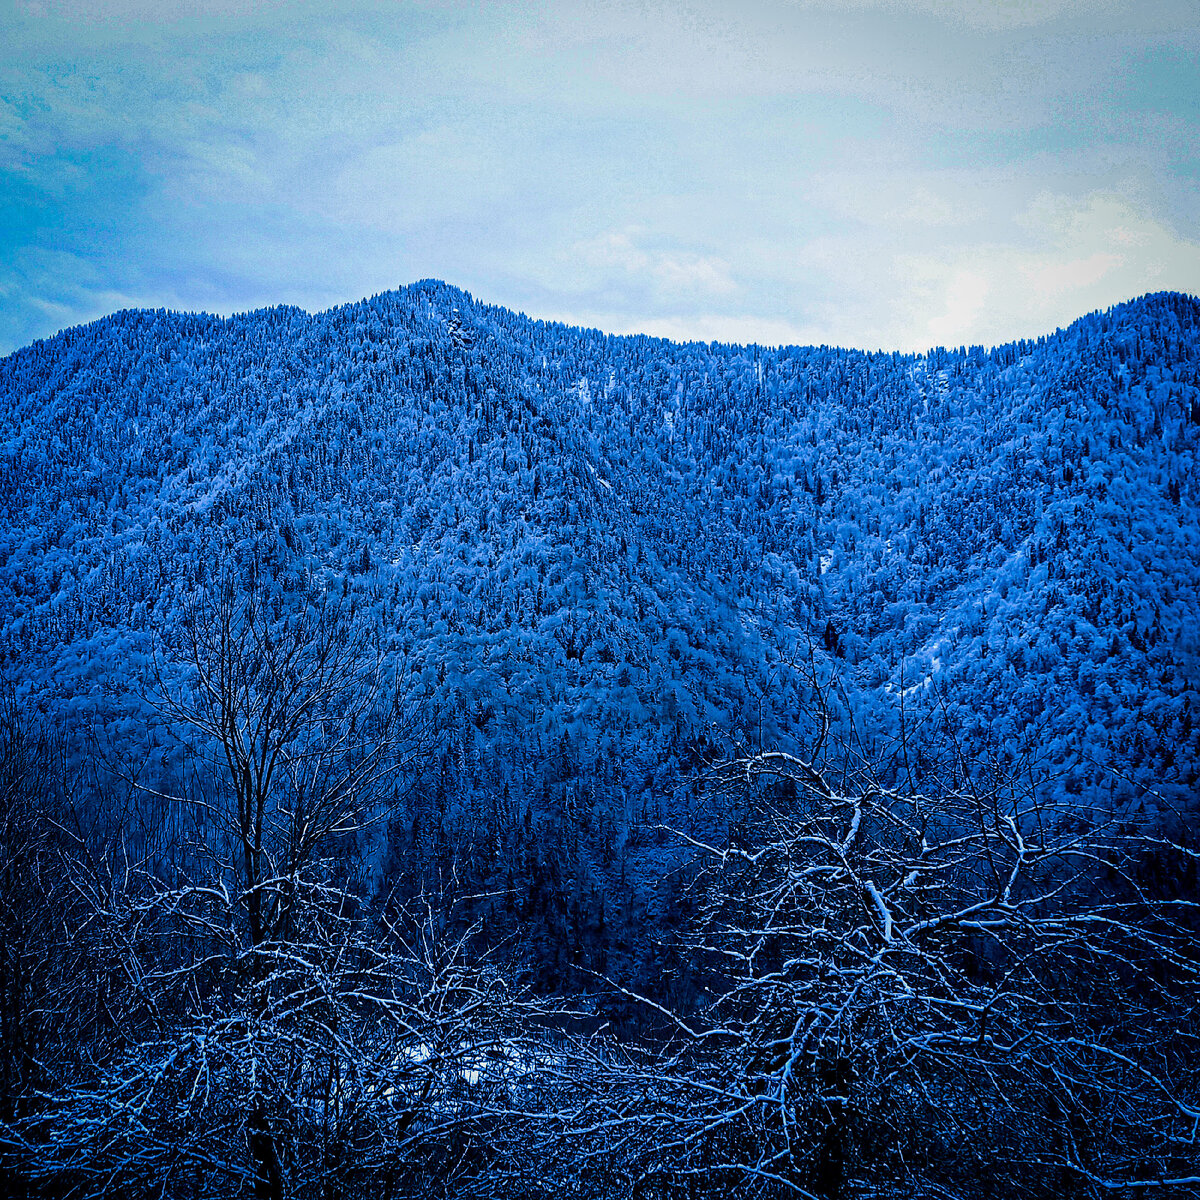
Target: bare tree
[[971, 989], [300, 736], [966, 989], [301, 739], [239, 955], [263, 1027]]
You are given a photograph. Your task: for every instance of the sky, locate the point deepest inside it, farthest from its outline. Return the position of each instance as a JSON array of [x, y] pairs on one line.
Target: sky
[[892, 174]]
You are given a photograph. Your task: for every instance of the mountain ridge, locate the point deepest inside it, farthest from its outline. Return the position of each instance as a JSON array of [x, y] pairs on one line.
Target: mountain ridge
[[442, 288]]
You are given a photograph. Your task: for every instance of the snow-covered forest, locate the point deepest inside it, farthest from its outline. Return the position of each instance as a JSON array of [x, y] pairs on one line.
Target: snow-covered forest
[[447, 753]]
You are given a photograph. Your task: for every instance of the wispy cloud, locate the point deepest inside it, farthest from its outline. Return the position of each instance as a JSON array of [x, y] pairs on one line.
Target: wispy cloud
[[888, 172]]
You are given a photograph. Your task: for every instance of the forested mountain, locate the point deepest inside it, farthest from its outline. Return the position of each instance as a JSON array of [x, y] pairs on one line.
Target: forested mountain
[[602, 547], [598, 565], [600, 553]]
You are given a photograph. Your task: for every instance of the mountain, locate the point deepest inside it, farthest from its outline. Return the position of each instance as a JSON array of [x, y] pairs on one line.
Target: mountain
[[605, 557]]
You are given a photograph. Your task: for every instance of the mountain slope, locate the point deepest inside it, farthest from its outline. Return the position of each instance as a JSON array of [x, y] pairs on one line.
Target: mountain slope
[[602, 553]]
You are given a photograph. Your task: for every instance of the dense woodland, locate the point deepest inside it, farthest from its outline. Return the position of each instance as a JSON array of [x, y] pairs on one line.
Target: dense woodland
[[446, 753]]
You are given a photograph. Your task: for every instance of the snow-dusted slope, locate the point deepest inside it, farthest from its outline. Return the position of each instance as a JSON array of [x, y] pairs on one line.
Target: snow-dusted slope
[[601, 552]]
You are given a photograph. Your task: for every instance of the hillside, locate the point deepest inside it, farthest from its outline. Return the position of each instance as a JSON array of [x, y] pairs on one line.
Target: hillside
[[604, 555]]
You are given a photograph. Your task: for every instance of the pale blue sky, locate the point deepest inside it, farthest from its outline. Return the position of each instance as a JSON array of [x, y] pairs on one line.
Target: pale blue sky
[[875, 173]]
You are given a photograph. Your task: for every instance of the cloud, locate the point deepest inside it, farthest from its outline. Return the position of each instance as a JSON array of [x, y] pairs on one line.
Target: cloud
[[1023, 14], [884, 196], [697, 327], [876, 172], [673, 277], [1077, 255]]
